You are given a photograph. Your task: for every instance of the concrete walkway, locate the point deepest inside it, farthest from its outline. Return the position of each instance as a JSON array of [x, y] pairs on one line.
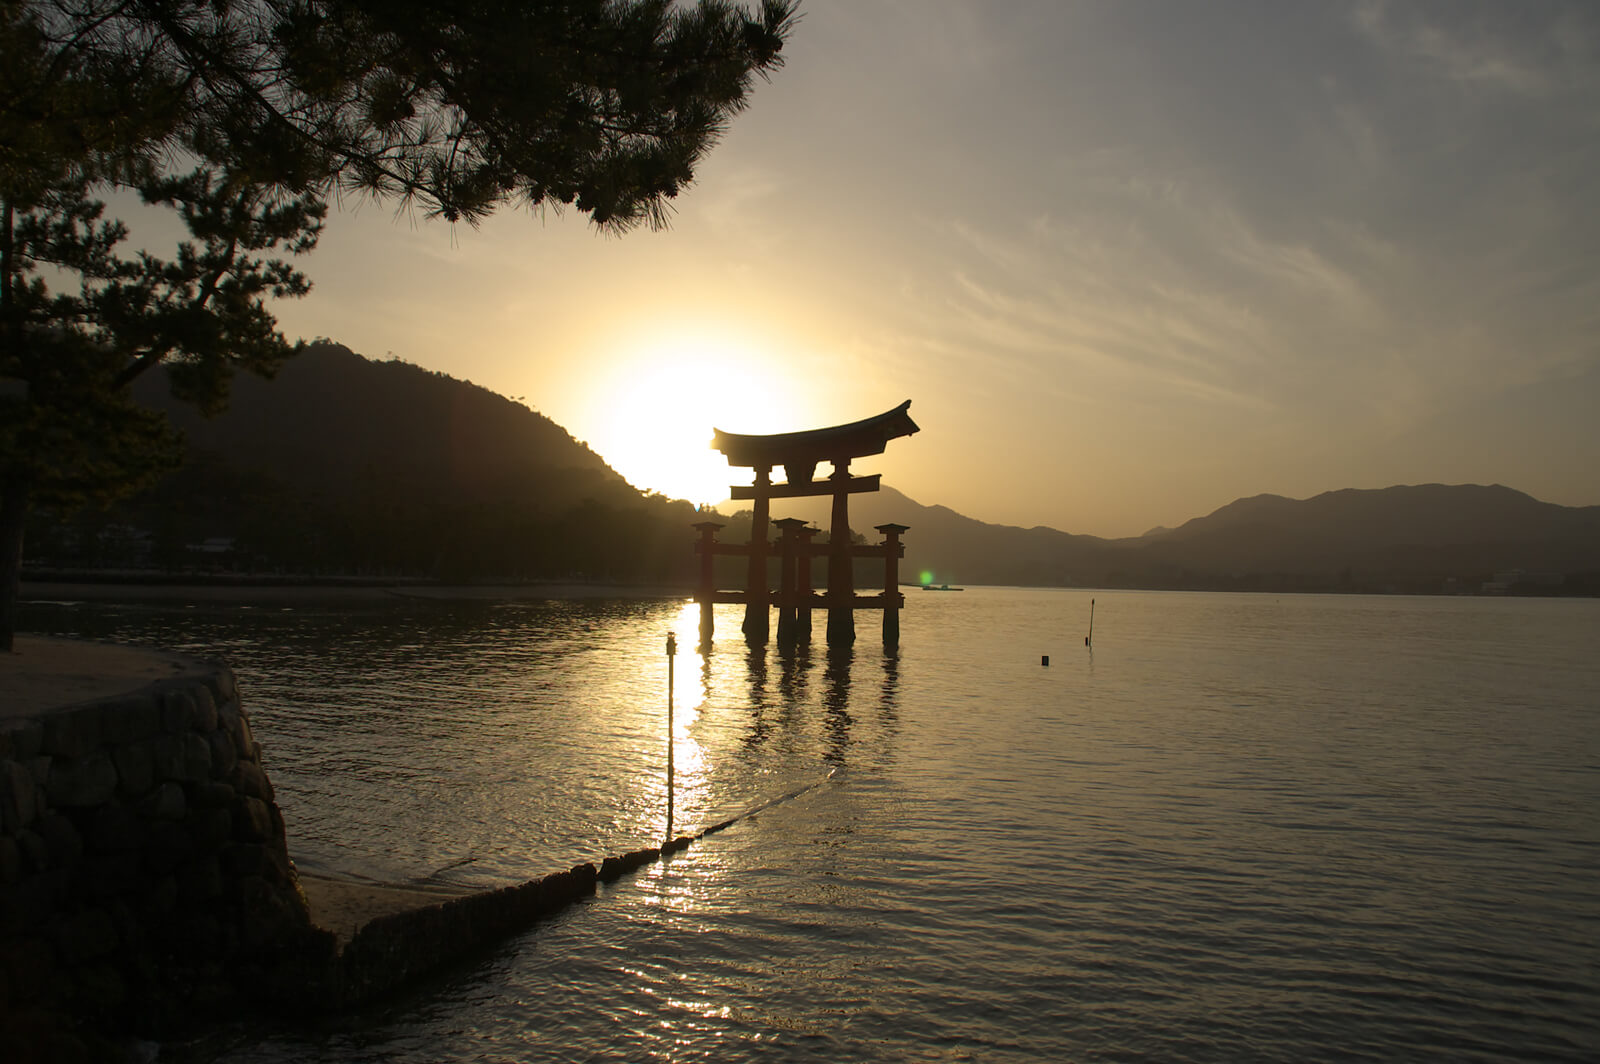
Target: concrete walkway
[[44, 674], [345, 906]]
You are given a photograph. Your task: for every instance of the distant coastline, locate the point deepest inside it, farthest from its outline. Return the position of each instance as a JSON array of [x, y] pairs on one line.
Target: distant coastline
[[251, 591], [263, 591], [362, 487]]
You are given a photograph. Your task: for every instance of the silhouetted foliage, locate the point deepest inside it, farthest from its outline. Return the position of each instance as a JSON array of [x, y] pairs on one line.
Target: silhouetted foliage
[[388, 471], [243, 116]]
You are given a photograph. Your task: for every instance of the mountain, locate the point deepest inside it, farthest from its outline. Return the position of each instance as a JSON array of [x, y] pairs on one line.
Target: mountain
[[346, 466], [1423, 532], [1427, 537], [331, 421]]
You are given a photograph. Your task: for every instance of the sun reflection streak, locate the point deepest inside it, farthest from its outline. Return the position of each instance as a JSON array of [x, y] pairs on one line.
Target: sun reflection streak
[[692, 683]]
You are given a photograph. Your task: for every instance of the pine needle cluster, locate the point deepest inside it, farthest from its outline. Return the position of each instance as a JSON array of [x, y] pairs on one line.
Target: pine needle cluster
[[244, 118]]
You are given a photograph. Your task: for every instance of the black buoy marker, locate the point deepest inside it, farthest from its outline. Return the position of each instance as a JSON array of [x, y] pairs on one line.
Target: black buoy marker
[[1088, 640], [1044, 659]]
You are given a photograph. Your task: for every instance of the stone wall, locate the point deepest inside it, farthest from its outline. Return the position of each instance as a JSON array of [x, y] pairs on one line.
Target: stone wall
[[146, 888], [145, 884]]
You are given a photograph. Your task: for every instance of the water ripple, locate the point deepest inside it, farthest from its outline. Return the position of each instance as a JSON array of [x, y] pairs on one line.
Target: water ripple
[[1241, 828]]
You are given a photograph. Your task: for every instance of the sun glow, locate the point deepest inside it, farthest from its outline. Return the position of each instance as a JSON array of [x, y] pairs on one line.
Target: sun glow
[[654, 418]]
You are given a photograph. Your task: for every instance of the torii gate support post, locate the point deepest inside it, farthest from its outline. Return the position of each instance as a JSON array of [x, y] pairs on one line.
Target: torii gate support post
[[708, 586], [802, 581], [892, 598], [756, 622], [798, 453], [841, 579], [788, 605]]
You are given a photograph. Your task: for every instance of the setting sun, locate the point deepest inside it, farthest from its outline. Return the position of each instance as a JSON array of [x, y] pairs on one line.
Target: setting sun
[[790, 530], [655, 412]]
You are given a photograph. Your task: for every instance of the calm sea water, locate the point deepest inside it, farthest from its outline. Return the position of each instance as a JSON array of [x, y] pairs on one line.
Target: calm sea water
[[1240, 828]]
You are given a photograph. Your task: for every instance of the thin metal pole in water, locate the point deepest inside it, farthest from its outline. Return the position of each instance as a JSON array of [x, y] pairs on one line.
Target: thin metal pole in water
[[672, 649], [1088, 640]]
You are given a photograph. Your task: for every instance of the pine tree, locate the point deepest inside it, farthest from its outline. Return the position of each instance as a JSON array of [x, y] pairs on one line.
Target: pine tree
[[244, 116]]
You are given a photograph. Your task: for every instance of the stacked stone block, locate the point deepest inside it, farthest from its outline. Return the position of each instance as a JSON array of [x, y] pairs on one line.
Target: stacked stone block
[[145, 884]]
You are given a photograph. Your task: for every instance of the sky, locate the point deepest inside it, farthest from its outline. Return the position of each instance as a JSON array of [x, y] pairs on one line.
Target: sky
[[1129, 260]]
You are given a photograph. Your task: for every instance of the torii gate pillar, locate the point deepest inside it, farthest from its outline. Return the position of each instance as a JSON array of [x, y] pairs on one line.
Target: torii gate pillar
[[798, 453], [755, 610], [706, 593], [841, 577], [892, 598], [793, 602]]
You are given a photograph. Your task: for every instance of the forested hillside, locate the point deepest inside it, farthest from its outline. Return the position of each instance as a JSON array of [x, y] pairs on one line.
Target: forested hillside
[[346, 466]]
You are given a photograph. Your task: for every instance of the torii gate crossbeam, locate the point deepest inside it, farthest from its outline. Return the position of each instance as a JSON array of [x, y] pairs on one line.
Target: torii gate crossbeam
[[799, 453]]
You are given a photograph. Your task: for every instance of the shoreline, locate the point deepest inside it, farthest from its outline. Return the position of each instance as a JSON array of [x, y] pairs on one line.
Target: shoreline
[[62, 591]]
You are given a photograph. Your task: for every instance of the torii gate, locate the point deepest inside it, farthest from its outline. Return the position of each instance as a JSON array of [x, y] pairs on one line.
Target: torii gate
[[798, 453]]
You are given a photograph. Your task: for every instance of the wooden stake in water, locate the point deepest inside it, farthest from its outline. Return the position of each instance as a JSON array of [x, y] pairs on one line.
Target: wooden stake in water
[[672, 649], [1088, 640]]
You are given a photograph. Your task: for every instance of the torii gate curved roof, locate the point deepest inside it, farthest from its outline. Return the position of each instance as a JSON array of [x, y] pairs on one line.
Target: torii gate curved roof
[[858, 439]]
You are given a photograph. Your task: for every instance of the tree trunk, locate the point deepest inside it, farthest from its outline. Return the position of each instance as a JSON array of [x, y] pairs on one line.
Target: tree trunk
[[13, 511]]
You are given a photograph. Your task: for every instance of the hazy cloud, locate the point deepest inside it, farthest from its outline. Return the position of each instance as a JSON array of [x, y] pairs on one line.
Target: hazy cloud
[[1242, 246]]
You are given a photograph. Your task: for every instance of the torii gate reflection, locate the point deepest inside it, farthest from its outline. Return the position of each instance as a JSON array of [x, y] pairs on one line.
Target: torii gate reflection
[[798, 453]]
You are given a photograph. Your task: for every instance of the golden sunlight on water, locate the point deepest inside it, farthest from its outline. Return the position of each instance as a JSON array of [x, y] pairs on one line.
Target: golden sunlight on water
[[1242, 827], [691, 684]]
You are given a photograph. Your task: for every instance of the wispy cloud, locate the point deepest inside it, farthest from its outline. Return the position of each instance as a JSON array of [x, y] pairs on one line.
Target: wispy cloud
[[1247, 235], [1527, 49]]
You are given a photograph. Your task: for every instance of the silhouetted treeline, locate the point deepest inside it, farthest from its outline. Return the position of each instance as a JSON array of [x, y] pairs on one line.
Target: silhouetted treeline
[[347, 467]]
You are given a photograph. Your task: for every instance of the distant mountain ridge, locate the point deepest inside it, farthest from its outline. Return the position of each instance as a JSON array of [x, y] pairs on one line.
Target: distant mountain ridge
[[347, 465], [1429, 537]]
